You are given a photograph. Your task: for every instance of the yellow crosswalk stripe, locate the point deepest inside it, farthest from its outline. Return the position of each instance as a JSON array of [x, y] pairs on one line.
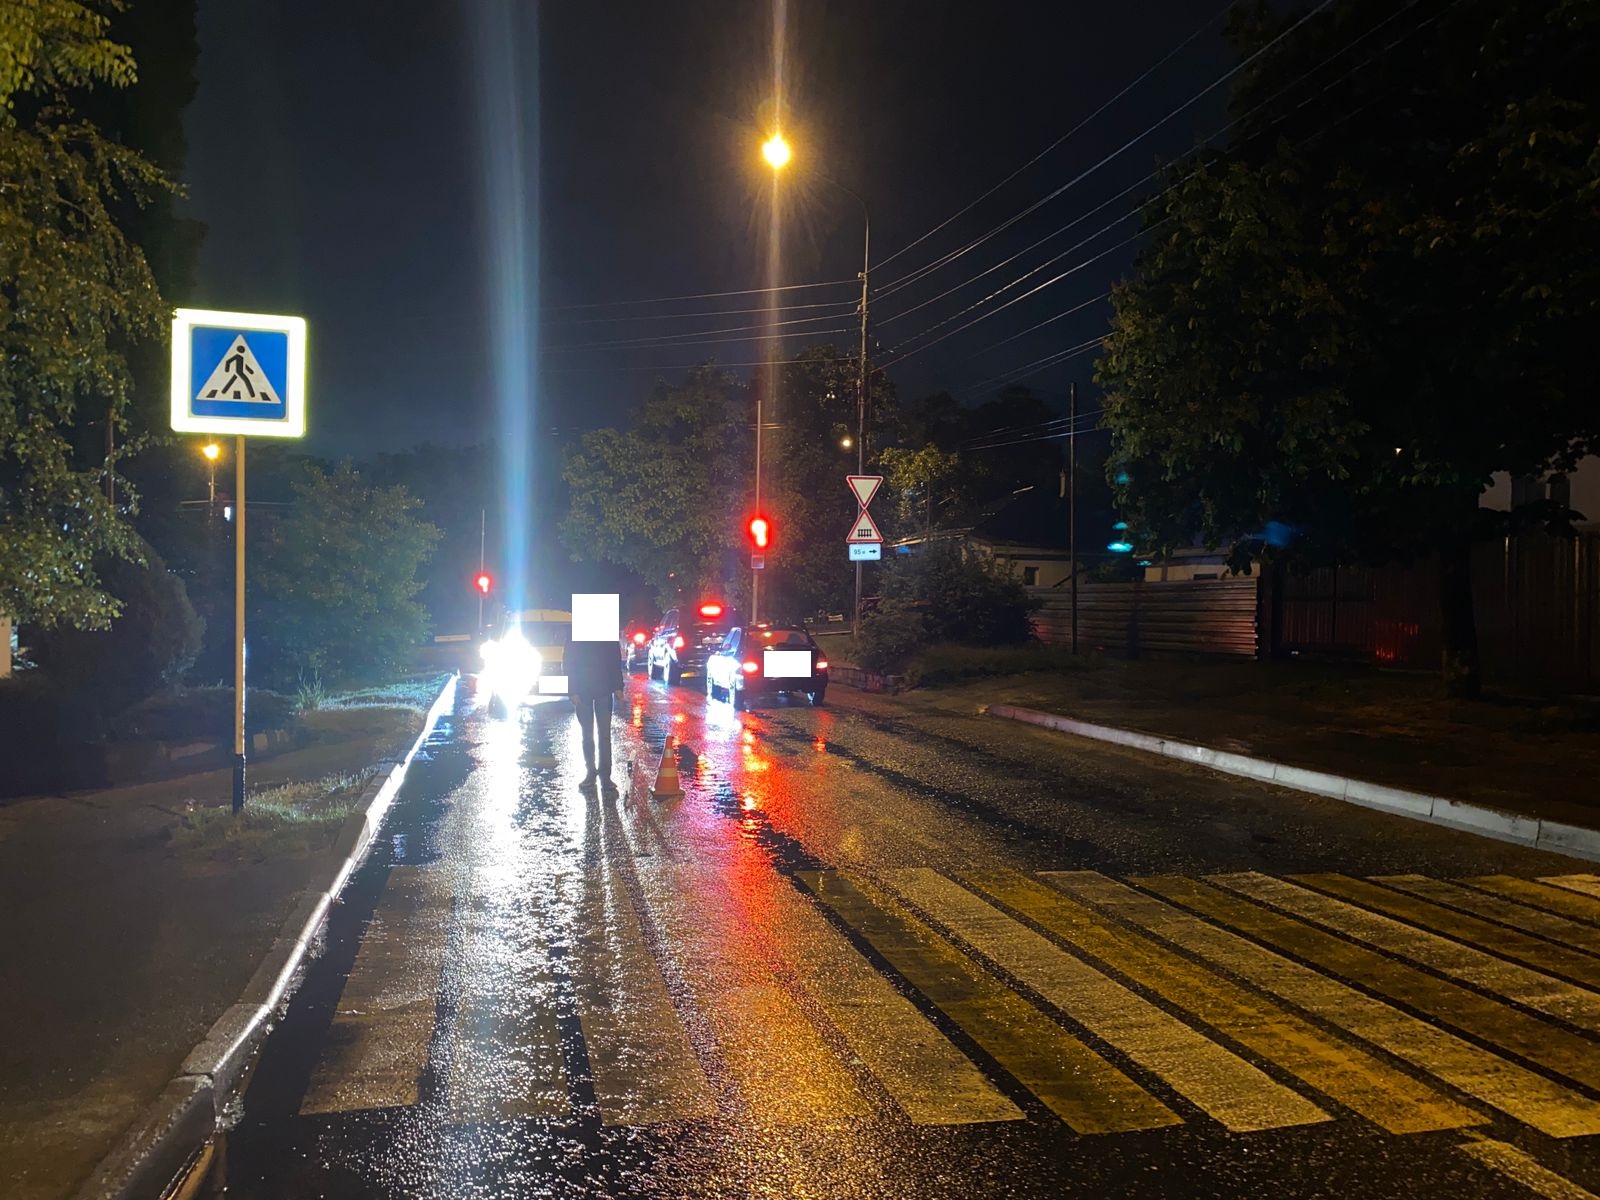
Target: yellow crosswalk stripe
[[928, 1077], [1522, 1168], [783, 1069], [1584, 885], [1536, 1101], [1388, 1097], [1232, 1091], [645, 1071], [1079, 1086], [1540, 992], [377, 1044], [504, 1045], [1557, 960], [1489, 1020], [1526, 918], [1550, 899]]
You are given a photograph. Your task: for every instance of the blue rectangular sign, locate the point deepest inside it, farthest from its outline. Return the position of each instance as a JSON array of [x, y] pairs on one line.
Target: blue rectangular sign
[[866, 551]]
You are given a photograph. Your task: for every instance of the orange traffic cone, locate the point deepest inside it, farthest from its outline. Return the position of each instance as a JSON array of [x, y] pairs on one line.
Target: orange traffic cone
[[667, 785]]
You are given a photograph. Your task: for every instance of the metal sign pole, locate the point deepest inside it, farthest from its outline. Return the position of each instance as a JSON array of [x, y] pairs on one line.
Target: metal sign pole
[[238, 627]]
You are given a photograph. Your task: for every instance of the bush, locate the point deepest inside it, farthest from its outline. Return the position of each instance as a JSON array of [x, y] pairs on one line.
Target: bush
[[890, 636], [203, 714], [963, 597], [149, 645], [38, 722]]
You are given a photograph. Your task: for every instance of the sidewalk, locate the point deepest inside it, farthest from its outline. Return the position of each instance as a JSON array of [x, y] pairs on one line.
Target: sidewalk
[[119, 949], [1538, 757]]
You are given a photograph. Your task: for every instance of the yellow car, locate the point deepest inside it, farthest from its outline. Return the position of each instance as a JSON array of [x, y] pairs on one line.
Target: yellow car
[[527, 655]]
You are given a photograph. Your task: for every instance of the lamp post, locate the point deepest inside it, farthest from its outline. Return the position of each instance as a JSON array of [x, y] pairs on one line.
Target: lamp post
[[212, 452], [778, 154]]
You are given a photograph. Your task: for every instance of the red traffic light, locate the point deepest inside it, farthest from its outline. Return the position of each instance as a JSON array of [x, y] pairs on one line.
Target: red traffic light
[[483, 581], [760, 532]]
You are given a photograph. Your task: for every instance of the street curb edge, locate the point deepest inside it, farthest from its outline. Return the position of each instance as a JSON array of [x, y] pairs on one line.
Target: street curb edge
[[190, 1108], [1575, 841]]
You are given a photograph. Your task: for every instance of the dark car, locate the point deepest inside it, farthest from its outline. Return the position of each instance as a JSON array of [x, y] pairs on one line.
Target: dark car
[[635, 646], [685, 639], [765, 661]]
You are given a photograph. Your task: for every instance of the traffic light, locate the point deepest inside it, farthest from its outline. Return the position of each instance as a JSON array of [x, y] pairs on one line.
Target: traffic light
[[483, 582], [760, 530]]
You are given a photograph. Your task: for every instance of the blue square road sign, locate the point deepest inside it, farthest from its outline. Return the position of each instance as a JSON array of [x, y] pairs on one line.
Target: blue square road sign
[[238, 373]]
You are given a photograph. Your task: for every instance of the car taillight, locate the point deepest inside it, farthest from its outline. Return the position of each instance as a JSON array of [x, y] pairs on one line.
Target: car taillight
[[638, 639], [822, 664], [750, 668], [677, 642]]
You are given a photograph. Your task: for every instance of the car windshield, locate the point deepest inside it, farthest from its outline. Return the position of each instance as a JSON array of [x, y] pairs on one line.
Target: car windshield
[[784, 639], [546, 633]]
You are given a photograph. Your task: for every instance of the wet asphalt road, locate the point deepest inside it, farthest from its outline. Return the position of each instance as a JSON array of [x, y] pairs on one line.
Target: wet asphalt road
[[881, 952]]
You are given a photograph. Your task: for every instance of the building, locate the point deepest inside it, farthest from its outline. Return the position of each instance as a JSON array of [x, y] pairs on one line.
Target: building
[[1026, 533]]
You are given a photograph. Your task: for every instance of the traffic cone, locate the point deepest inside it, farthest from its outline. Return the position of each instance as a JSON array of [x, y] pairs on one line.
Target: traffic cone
[[667, 785]]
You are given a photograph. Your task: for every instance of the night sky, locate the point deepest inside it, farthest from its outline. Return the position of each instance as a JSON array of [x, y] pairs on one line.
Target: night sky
[[335, 155]]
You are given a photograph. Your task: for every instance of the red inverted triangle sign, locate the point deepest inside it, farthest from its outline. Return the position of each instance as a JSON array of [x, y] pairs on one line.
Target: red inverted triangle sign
[[865, 487]]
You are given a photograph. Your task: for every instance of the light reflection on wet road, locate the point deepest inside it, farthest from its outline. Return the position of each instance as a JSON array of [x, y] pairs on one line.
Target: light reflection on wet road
[[871, 953]]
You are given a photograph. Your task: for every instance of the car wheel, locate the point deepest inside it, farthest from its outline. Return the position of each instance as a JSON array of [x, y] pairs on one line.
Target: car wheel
[[816, 697], [711, 688], [736, 695], [668, 676]]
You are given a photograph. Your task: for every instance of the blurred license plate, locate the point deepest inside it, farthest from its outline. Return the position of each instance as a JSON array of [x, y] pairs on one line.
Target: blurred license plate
[[786, 664]]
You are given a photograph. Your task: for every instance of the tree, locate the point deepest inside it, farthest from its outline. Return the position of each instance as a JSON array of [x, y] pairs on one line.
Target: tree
[[664, 496], [1377, 297], [75, 294], [334, 581], [924, 482]]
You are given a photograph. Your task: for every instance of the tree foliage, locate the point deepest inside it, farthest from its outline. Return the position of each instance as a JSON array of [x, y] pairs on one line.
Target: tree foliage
[[964, 595], [75, 294], [1377, 297], [334, 581], [663, 496]]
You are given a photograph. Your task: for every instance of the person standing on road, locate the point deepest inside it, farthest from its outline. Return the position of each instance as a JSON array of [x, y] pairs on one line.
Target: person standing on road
[[594, 675]]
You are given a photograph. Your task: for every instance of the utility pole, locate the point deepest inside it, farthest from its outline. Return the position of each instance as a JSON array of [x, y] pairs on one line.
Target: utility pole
[[1072, 503], [755, 575], [483, 517], [238, 629], [861, 388]]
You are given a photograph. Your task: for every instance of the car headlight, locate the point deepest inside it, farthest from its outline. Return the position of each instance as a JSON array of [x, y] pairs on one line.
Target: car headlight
[[510, 666]]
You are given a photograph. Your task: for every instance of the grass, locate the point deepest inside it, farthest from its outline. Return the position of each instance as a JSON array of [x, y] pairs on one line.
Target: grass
[[947, 663], [291, 819], [416, 693]]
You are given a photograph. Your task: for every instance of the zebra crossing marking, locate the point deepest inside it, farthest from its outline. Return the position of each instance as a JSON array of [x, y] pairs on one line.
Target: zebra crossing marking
[[1339, 1069], [1524, 917], [1237, 1094], [1532, 1099], [1542, 993]]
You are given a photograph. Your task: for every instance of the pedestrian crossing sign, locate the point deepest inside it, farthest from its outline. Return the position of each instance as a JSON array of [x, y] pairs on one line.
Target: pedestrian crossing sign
[[238, 373]]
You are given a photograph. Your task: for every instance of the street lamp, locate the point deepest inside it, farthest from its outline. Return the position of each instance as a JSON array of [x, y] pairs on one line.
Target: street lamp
[[845, 442], [777, 153], [212, 452]]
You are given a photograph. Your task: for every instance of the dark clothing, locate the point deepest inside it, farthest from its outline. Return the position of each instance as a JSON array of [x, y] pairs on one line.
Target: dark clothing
[[594, 668], [594, 672], [594, 719]]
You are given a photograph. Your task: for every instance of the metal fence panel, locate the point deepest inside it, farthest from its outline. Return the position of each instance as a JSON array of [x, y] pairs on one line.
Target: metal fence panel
[[1211, 617]]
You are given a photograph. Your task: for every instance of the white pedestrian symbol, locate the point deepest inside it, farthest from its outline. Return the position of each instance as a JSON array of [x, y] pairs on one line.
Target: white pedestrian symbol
[[239, 377]]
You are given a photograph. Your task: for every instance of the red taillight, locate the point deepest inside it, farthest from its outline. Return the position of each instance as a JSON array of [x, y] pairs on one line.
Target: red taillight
[[677, 642], [750, 668], [638, 639], [711, 610], [822, 664]]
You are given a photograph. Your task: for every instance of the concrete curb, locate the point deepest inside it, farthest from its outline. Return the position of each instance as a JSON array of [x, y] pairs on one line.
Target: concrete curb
[[1572, 840], [188, 1111]]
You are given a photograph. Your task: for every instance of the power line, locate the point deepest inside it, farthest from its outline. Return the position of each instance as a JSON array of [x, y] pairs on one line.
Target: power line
[[719, 312], [1131, 142], [790, 287], [1159, 63], [668, 339], [1218, 133], [1066, 433], [712, 363], [1039, 364], [1054, 279]]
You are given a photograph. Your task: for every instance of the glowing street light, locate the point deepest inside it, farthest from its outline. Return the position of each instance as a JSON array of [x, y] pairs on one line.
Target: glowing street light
[[845, 442], [212, 452], [776, 151]]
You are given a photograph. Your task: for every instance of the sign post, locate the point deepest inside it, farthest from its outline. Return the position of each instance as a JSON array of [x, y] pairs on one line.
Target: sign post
[[244, 374], [863, 532]]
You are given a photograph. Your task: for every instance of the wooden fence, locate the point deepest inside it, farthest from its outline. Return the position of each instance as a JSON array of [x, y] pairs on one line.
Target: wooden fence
[[1536, 599], [1211, 617]]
